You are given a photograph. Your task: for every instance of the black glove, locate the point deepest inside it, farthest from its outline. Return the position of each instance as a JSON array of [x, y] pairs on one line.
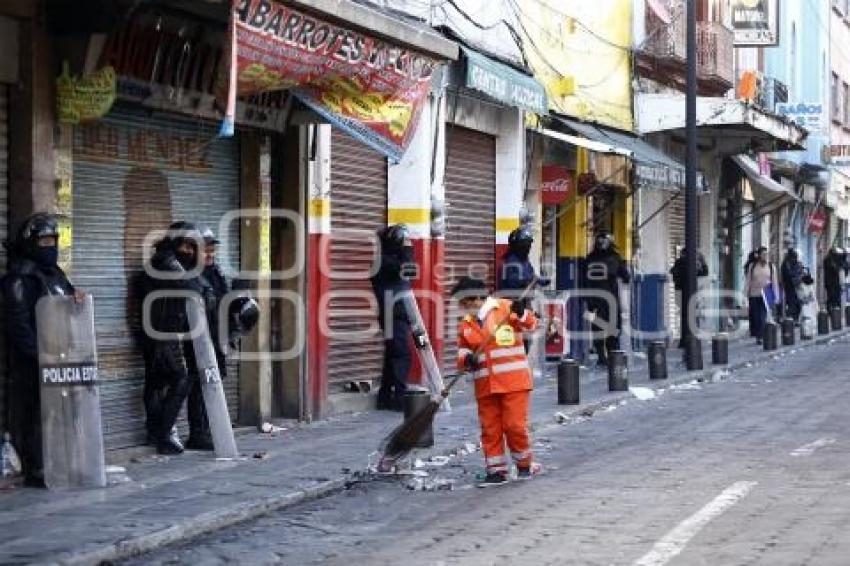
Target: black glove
[[518, 307], [420, 339], [469, 362], [543, 281]]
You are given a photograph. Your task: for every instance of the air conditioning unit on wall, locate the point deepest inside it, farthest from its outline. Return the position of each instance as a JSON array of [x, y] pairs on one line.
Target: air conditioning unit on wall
[[772, 92]]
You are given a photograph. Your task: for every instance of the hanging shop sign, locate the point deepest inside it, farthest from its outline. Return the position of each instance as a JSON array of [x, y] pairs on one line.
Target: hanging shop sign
[[79, 99], [808, 115], [370, 88], [755, 22], [503, 83], [817, 221], [558, 184]]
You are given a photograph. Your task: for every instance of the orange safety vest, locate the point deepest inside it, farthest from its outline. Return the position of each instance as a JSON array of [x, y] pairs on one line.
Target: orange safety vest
[[496, 334]]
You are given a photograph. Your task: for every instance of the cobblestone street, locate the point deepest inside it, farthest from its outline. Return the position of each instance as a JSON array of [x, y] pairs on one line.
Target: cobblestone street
[[751, 470]]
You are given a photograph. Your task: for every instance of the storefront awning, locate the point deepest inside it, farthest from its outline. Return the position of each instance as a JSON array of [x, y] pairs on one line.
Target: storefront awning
[[765, 190], [503, 83], [652, 166], [735, 126]]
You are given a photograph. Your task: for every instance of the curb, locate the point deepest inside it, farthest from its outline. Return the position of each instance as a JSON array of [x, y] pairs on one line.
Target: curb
[[219, 519]]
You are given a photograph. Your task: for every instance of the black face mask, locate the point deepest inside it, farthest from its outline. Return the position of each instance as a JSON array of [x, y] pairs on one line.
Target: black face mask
[[522, 249], [187, 260], [46, 255]]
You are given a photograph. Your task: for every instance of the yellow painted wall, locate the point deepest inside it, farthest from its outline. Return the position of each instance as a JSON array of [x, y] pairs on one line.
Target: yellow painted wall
[[579, 49]]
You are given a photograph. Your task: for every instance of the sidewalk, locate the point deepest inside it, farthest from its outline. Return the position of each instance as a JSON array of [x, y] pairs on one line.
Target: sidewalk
[[163, 500]]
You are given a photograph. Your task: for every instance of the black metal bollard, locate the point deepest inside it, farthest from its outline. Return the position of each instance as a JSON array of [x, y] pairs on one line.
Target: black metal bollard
[[568, 382], [823, 323], [693, 353], [656, 355], [415, 398], [835, 318], [847, 315], [771, 336], [618, 374], [788, 336], [807, 328], [720, 349]]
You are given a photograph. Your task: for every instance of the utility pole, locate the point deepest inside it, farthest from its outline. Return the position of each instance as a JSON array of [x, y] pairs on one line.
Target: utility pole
[[693, 350]]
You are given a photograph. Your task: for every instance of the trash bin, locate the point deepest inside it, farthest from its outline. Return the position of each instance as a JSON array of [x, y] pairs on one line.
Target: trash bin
[[788, 337], [823, 323], [836, 318], [720, 349], [771, 336], [568, 382], [656, 356], [415, 398], [618, 374]]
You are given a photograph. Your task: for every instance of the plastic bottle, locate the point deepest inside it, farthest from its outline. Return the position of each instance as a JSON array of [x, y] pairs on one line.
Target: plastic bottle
[[10, 464]]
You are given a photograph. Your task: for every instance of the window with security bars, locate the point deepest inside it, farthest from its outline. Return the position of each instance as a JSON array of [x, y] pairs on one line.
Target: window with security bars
[[846, 101], [836, 98]]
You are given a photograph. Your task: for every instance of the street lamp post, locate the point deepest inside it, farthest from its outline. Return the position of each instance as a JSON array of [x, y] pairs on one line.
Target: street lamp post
[[693, 351]]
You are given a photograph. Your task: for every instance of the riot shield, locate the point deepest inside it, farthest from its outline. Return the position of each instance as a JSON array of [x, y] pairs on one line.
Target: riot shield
[[221, 430], [72, 437], [433, 375]]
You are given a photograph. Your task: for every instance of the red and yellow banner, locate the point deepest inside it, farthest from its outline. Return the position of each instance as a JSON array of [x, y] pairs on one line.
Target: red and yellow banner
[[370, 88]]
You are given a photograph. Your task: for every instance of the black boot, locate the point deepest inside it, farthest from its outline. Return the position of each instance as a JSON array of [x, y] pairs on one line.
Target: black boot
[[169, 447], [199, 441]]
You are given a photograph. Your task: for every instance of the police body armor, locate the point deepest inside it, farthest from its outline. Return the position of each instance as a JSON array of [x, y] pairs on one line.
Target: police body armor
[[72, 436]]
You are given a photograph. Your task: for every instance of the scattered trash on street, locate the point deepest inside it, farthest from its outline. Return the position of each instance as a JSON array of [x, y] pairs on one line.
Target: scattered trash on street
[[642, 393]]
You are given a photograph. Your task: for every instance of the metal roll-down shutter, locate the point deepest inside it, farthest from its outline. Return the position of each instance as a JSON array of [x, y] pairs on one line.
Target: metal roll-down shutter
[[471, 220], [676, 231], [4, 233], [358, 211], [135, 172]]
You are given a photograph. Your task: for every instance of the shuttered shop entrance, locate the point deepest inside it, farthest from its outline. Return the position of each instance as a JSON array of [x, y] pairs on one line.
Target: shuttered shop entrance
[[4, 232], [676, 231], [471, 220], [135, 172], [358, 210]]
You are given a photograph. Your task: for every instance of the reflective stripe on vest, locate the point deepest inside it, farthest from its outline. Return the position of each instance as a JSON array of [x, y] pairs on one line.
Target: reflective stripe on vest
[[502, 353]]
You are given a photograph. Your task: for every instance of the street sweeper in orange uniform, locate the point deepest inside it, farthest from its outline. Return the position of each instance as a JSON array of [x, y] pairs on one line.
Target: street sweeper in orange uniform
[[490, 346]]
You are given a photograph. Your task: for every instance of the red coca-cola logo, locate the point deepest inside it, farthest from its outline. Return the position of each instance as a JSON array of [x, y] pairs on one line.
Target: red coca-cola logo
[[558, 184]]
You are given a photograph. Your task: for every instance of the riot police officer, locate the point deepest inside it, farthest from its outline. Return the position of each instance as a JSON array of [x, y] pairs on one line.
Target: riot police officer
[[517, 272], [603, 270], [33, 273], [169, 361], [835, 268], [243, 314], [391, 279]]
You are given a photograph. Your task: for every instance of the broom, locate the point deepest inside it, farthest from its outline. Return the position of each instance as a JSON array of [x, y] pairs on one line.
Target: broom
[[405, 436]]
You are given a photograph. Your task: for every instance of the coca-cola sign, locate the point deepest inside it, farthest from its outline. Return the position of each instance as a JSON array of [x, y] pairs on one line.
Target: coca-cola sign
[[558, 184]]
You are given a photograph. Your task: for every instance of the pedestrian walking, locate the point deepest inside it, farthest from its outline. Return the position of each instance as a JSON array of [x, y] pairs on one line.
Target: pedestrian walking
[[33, 274], [679, 275], [391, 280], [603, 271], [490, 346], [792, 272], [835, 270], [760, 287]]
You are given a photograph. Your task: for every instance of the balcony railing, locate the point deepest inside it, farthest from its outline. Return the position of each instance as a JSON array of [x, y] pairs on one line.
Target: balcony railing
[[715, 51], [668, 41]]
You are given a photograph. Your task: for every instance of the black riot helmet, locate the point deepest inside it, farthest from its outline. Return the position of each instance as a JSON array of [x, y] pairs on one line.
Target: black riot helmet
[[180, 233], [38, 225], [603, 243], [519, 242], [395, 238]]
